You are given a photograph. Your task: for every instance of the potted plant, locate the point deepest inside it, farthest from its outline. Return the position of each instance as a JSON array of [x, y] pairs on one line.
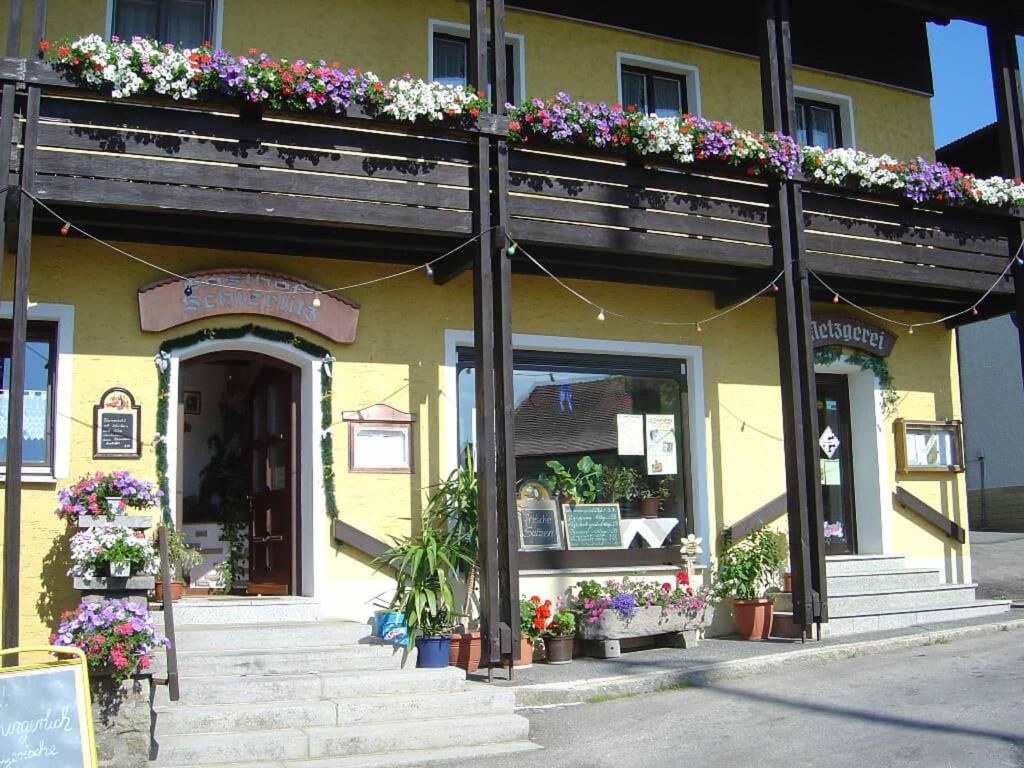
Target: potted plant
[[181, 558], [746, 571], [652, 495], [104, 495], [579, 487], [423, 565], [111, 550], [560, 636], [533, 620], [621, 485]]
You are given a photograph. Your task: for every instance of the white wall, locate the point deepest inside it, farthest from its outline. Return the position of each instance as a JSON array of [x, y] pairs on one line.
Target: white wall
[[993, 402]]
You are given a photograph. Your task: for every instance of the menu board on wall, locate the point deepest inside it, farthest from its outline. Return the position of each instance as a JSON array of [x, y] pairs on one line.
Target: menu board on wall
[[116, 427], [539, 525], [592, 526], [660, 431]]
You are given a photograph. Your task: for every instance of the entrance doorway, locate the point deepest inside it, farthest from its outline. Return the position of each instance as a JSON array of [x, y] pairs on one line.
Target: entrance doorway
[[835, 453], [239, 456]]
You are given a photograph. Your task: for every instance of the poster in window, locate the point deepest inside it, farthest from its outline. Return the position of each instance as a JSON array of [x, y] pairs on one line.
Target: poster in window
[[630, 429], [660, 432], [116, 426]]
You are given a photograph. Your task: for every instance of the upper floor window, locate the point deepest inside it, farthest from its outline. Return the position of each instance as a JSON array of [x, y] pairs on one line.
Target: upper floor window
[[450, 60], [185, 22], [819, 124], [653, 92], [40, 386]]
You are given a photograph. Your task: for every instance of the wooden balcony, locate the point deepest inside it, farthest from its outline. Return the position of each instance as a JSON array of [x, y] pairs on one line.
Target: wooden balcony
[[160, 170]]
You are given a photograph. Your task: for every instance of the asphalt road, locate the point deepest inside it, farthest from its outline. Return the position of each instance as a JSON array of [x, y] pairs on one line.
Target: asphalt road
[[948, 705], [996, 559]]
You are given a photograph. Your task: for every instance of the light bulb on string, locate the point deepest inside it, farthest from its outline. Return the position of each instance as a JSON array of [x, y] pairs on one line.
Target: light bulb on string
[[65, 229], [600, 315], [835, 298], [316, 301], [429, 269], [910, 330], [511, 250], [700, 329], [188, 288], [974, 311], [775, 287]]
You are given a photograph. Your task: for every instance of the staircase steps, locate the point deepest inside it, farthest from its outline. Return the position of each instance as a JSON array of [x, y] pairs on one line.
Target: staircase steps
[[872, 593], [321, 695]]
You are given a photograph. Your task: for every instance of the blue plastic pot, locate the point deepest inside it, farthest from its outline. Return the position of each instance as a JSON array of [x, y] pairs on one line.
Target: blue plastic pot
[[432, 652]]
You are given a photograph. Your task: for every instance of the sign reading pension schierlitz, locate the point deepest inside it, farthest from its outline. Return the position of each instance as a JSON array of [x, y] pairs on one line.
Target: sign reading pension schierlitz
[[167, 303], [845, 331]]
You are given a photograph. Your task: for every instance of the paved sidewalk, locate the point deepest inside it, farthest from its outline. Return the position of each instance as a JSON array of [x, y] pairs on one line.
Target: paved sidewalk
[[719, 659], [997, 562]]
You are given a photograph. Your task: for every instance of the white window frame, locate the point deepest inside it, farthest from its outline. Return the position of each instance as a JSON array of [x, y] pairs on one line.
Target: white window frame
[[840, 100], [692, 357], [688, 71], [218, 21], [517, 41], [64, 316]]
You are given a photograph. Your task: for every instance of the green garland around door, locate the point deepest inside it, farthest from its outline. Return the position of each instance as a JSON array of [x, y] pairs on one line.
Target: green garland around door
[[877, 365], [163, 359]]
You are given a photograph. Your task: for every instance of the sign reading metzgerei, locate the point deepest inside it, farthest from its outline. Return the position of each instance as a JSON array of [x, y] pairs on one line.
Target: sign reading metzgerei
[[845, 331]]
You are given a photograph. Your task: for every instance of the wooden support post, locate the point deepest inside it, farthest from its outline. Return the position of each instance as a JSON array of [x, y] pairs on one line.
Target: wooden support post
[[16, 390], [1006, 80], [483, 342], [7, 147], [796, 358], [504, 397], [39, 25], [13, 46]]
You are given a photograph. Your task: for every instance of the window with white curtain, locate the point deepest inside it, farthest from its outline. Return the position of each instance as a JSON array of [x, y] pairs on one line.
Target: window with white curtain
[[184, 22]]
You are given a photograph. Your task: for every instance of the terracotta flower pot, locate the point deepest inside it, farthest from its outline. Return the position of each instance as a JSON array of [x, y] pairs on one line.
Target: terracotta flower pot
[[650, 507], [177, 590], [525, 654], [753, 618], [465, 651], [558, 650]]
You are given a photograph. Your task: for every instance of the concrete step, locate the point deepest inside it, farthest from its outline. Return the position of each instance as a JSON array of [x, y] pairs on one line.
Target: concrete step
[[940, 596], [898, 581], [229, 689], [852, 625], [239, 637], [417, 758], [844, 565], [217, 610], [319, 742], [173, 720], [284, 662], [381, 738]]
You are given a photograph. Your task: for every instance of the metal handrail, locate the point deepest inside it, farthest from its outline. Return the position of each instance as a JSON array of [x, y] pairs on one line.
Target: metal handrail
[[168, 608]]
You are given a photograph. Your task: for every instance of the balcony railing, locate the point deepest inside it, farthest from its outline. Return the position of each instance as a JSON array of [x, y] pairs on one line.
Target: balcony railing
[[357, 173]]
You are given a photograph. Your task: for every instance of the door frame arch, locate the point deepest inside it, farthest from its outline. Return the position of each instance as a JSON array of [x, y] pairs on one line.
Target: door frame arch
[[312, 546]]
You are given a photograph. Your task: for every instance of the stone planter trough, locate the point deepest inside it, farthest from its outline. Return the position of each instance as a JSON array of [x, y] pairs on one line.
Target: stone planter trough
[[606, 637]]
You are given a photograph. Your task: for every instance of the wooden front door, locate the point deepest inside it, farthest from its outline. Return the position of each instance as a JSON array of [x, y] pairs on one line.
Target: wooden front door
[[272, 533], [835, 453]]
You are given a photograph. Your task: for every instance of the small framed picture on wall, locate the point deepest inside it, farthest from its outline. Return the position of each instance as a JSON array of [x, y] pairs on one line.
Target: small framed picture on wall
[[193, 403]]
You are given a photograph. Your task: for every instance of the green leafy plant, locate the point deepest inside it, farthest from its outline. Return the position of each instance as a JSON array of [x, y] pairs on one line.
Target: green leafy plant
[[180, 556], [750, 567], [453, 505], [224, 486], [648, 488], [580, 487], [423, 565], [621, 483], [563, 624]]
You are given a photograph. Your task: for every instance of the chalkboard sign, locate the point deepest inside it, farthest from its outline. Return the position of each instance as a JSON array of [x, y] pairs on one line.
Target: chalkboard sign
[[116, 427], [592, 526], [539, 526], [45, 721]]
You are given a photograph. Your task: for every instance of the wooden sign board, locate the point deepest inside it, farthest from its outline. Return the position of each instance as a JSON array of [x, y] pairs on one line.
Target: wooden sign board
[[846, 331], [116, 426], [592, 526], [929, 446], [539, 526], [45, 713], [214, 293]]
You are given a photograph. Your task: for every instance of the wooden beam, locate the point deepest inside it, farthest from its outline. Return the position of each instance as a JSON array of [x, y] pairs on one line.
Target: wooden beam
[[759, 518], [929, 514], [39, 26], [13, 46], [16, 389], [350, 536], [6, 150]]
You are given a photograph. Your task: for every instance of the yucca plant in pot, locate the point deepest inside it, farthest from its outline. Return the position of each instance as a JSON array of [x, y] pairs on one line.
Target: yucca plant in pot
[[423, 564], [747, 569]]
